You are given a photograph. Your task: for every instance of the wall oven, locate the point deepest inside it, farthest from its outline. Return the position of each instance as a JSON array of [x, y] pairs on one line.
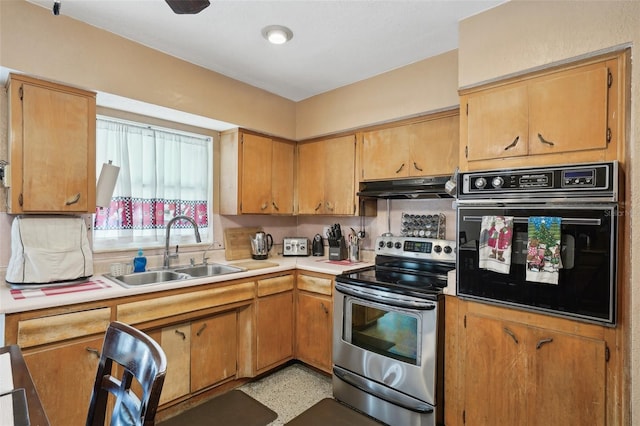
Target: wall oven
[[542, 239], [388, 332]]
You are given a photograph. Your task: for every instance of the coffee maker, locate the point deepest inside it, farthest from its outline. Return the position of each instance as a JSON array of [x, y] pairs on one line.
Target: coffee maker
[[317, 247]]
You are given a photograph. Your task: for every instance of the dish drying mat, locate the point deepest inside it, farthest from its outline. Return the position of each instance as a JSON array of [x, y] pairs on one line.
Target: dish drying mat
[[54, 291]]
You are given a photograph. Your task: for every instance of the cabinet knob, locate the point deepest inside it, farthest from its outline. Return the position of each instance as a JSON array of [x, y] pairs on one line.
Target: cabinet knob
[[181, 334], [93, 351], [415, 166], [512, 334], [73, 199], [543, 341], [199, 332], [543, 140], [401, 167], [318, 207], [275, 206], [512, 144]]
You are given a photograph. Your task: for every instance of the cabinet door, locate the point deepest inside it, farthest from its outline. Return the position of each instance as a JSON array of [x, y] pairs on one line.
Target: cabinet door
[[282, 180], [57, 150], [385, 153], [434, 146], [495, 375], [340, 163], [176, 343], [213, 350], [569, 111], [311, 177], [274, 329], [313, 330], [256, 174], [64, 376], [567, 378], [497, 123]]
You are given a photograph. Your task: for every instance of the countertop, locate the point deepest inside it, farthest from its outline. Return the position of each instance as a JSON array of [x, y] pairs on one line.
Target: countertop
[[103, 288]]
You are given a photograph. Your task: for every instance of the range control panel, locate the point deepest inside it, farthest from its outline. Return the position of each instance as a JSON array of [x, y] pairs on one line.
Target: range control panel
[[592, 179], [419, 248]]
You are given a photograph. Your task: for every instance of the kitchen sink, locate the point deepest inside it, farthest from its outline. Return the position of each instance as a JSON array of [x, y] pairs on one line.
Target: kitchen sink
[[208, 270], [145, 278], [138, 279]]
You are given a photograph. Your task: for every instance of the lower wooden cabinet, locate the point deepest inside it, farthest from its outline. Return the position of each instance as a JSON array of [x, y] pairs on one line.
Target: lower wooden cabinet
[[64, 375], [518, 373], [199, 354], [274, 322], [314, 320]]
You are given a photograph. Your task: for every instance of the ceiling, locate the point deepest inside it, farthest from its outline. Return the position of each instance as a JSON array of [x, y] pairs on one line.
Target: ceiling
[[335, 43]]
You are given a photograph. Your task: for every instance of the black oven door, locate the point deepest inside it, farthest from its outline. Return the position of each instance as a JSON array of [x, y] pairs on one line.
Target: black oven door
[[584, 285]]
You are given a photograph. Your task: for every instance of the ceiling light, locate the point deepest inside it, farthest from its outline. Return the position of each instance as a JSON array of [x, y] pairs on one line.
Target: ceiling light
[[277, 34]]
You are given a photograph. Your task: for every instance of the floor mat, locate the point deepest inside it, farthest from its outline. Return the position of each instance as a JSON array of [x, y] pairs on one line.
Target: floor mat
[[330, 412], [233, 408]]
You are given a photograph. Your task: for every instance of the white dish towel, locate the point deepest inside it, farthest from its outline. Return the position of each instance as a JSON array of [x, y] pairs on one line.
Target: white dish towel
[[49, 249]]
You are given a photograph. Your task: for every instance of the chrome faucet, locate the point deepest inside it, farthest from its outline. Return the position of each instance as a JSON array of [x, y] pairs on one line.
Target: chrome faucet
[[167, 256]]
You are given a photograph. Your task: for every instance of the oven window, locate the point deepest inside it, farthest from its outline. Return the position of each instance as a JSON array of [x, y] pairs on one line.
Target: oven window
[[386, 331]]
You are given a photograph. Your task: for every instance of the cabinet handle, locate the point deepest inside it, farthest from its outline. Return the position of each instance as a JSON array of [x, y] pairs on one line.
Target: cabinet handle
[[180, 333], [264, 206], [324, 308], [73, 200], [93, 351], [319, 205], [199, 332], [512, 334], [275, 206], [543, 140], [329, 206], [543, 341], [512, 144], [401, 167], [415, 166]]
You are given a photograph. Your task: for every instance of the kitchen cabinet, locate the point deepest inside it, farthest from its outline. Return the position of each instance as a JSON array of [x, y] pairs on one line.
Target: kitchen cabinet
[[314, 320], [257, 174], [414, 149], [530, 370], [326, 176], [540, 119], [274, 322], [52, 140], [199, 354]]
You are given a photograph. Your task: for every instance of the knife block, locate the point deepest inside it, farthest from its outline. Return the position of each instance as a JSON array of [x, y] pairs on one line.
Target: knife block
[[338, 249]]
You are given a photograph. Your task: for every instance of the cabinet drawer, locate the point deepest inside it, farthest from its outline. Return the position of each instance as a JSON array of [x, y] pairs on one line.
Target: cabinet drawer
[[37, 331], [163, 307], [315, 284], [275, 285]]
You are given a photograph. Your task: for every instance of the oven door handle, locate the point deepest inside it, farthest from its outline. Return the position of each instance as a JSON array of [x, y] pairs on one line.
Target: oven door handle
[[383, 392], [405, 302], [565, 220]]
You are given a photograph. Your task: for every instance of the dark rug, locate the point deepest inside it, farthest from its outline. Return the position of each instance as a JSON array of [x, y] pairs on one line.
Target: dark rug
[[234, 408], [330, 412]]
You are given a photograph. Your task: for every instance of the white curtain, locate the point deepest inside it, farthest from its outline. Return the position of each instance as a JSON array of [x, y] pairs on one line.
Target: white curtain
[[163, 174]]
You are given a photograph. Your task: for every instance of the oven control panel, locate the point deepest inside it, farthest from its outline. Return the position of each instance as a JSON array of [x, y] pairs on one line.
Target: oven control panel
[[570, 181], [419, 248]]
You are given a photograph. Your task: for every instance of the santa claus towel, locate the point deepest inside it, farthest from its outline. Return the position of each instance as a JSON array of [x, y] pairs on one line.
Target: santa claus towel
[[543, 249], [495, 243]]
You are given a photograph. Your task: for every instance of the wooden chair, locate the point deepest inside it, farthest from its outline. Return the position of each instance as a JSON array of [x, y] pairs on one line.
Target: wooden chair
[[138, 357]]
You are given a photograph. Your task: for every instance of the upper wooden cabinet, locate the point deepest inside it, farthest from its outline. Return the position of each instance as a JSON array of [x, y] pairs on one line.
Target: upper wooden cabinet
[[537, 120], [52, 137], [424, 148], [326, 176], [257, 174]]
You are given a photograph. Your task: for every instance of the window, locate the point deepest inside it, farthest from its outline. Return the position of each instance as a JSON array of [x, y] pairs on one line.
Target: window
[[163, 173]]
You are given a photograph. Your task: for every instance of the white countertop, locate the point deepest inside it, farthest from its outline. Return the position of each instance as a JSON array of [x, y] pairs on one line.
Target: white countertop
[[35, 300]]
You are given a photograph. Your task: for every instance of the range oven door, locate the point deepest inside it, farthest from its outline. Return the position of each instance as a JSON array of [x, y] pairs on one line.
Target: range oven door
[[586, 280], [390, 340]]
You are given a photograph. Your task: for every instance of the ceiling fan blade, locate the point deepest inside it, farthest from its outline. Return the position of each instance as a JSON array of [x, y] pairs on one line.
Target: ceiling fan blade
[[187, 7]]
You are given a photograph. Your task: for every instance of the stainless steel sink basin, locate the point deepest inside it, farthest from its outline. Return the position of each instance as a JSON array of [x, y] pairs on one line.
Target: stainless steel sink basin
[[208, 270], [146, 278], [138, 279]]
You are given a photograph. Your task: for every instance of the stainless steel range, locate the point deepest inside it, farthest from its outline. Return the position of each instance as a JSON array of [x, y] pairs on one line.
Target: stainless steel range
[[388, 332]]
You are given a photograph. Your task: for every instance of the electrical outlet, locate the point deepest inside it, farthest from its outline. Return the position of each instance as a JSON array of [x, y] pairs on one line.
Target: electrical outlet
[[325, 231]]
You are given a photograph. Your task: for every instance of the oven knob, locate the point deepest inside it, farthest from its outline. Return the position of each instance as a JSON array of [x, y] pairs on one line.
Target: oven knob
[[437, 248], [497, 182], [381, 244], [480, 183], [398, 245], [389, 244], [448, 249]]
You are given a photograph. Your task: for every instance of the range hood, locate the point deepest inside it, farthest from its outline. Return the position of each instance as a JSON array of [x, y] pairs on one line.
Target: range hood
[[414, 188]]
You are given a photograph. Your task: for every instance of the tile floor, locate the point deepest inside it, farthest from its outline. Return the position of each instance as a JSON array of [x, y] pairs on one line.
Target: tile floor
[[290, 391]]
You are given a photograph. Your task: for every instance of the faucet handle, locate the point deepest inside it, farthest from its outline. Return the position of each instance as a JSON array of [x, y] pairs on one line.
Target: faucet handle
[[192, 261]]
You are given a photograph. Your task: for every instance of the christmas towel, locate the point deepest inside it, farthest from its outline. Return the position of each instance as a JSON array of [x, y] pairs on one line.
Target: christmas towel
[[543, 249], [495, 243]]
